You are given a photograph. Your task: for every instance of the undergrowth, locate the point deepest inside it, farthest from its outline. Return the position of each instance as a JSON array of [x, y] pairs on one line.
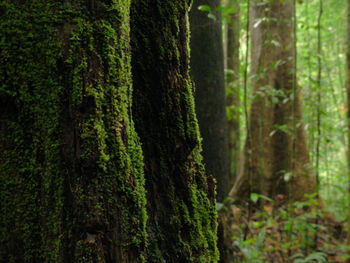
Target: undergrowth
[[298, 232]]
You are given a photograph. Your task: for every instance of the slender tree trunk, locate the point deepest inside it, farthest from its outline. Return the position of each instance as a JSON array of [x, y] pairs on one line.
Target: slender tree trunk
[[233, 87], [276, 161], [207, 69], [181, 208], [71, 169], [348, 99], [233, 123]]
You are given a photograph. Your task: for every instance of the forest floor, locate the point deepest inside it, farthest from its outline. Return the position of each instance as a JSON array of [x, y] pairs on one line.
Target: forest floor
[[300, 232]]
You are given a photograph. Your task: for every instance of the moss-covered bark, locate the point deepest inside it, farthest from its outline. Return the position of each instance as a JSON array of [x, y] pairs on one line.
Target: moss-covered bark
[[71, 179], [182, 217], [207, 70]]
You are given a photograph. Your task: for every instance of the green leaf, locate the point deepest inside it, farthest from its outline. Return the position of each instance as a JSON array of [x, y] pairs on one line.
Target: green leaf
[[266, 198], [204, 8], [212, 16], [316, 256], [254, 197]]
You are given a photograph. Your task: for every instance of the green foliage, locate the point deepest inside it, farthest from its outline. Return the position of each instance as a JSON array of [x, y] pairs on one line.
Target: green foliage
[[208, 9], [255, 198], [316, 257], [284, 234], [333, 160], [204, 8], [301, 228], [252, 248]]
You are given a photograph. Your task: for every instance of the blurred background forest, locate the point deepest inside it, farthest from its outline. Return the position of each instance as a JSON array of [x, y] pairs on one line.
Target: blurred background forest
[[269, 65]]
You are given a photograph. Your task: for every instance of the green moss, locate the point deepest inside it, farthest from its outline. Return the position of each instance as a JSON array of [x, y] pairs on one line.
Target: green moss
[[183, 229], [86, 252], [71, 161]]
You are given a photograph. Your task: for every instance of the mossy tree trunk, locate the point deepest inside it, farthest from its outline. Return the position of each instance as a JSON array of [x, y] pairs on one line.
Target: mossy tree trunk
[[207, 70], [71, 169], [181, 208], [276, 161]]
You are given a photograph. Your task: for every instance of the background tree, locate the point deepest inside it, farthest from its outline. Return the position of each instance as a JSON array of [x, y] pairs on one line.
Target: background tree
[[348, 100], [276, 160], [231, 20], [71, 171], [182, 219], [207, 69], [233, 84]]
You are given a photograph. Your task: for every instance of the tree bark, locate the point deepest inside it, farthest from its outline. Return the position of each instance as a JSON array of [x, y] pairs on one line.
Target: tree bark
[[233, 123], [276, 161], [233, 87], [348, 100], [71, 169], [207, 69], [72, 185], [181, 208]]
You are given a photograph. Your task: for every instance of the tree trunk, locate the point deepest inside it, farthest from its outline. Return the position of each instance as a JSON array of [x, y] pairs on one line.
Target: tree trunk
[[207, 69], [348, 100], [71, 179], [233, 123], [276, 161], [233, 87], [181, 208]]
